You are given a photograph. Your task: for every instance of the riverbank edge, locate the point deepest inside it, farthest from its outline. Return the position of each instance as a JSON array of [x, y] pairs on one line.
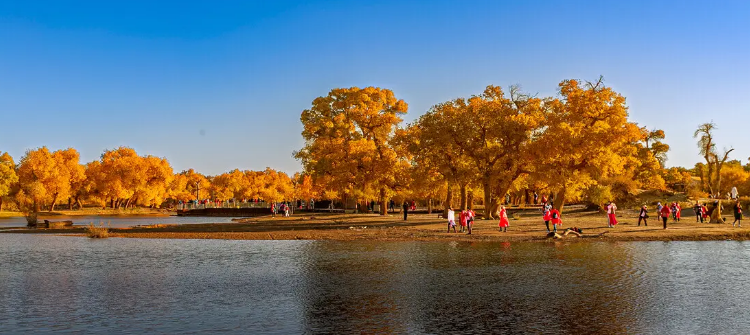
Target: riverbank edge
[[395, 234]]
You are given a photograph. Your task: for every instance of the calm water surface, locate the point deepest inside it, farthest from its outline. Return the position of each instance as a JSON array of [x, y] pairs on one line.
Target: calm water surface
[[115, 221], [71, 284]]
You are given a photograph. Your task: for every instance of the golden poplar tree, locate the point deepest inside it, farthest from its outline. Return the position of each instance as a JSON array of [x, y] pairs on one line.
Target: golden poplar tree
[[46, 177], [493, 135], [348, 145], [8, 176], [588, 138]]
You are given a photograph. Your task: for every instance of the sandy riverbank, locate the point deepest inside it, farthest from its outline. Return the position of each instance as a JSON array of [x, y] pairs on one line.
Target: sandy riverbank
[[423, 227]]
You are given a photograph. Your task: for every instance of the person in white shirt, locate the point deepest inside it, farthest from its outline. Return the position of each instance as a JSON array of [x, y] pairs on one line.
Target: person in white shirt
[[451, 220]]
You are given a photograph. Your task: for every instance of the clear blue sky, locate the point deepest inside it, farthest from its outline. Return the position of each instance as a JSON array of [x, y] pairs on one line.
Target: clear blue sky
[[219, 85]]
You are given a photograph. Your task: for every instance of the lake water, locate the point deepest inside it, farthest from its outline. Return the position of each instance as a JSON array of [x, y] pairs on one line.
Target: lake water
[[72, 284], [116, 221]]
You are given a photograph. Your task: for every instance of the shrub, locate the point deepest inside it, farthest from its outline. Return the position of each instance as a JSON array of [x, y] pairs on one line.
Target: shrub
[[97, 232], [599, 195], [31, 218]]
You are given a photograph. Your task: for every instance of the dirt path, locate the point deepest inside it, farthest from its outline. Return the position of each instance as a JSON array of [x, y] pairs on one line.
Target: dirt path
[[528, 227]]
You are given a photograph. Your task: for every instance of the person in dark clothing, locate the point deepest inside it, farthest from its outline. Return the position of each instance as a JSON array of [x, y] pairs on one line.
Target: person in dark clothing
[[406, 209], [698, 215], [643, 216], [737, 213]]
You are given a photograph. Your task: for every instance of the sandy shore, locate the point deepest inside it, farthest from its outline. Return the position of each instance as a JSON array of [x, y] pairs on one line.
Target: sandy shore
[[527, 227]]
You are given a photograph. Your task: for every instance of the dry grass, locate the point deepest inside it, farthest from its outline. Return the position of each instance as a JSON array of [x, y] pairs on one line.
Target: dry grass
[[100, 231]]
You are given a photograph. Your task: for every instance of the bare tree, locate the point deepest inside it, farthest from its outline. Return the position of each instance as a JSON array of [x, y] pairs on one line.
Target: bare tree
[[714, 163]]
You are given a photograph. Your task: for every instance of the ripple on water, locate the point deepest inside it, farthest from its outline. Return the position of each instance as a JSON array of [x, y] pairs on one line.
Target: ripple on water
[[52, 283]]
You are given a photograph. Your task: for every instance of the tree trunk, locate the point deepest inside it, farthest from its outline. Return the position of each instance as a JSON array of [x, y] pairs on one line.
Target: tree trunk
[[560, 199], [526, 196], [716, 213], [78, 203], [1, 204], [112, 203], [70, 203], [448, 202], [486, 185], [429, 206], [710, 167], [470, 199], [383, 204], [463, 197], [54, 200]]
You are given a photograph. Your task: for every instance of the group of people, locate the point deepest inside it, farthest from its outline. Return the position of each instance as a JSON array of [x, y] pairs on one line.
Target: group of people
[[465, 219], [283, 208], [663, 213]]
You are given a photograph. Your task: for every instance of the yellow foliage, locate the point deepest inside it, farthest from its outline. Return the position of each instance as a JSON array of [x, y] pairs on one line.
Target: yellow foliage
[[8, 176], [348, 148], [46, 177], [588, 134]]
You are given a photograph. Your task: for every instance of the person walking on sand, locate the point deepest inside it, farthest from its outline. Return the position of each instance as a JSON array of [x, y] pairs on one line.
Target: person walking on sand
[[469, 219], [611, 211], [664, 214], [547, 215], [451, 220], [737, 214], [406, 209], [658, 211], [643, 215], [678, 211], [697, 210], [273, 209], [704, 213], [504, 223], [555, 218], [462, 219]]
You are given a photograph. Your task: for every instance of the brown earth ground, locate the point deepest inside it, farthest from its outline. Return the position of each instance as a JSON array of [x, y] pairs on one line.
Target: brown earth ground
[[526, 226]]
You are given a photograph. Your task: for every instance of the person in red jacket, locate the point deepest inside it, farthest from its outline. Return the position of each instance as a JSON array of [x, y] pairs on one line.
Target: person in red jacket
[[665, 211], [504, 223], [555, 218], [462, 219], [547, 215]]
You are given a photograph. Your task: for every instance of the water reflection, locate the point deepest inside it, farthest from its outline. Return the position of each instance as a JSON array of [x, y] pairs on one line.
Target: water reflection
[[66, 284]]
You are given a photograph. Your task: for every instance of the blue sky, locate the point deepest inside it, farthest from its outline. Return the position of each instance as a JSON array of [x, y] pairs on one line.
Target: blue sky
[[220, 85]]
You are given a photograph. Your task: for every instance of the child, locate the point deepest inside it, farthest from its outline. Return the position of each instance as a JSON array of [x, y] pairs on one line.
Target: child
[[504, 223], [555, 218]]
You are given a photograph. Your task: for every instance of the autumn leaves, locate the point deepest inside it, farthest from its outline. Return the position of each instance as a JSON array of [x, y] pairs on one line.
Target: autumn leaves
[[491, 144], [123, 179]]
